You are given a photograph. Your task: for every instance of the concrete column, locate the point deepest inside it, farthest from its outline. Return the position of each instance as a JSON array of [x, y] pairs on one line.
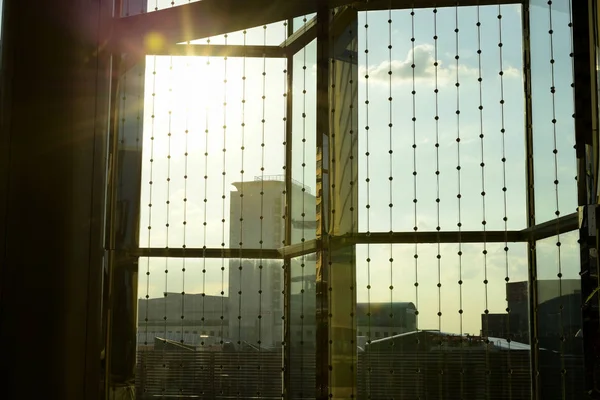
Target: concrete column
[[54, 97]]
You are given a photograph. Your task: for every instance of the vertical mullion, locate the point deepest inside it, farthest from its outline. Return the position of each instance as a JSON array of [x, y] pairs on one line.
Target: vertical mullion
[[322, 201], [531, 253], [337, 119], [123, 225]]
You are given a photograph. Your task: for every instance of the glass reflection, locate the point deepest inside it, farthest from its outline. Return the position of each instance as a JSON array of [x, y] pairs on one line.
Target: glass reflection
[[559, 316]]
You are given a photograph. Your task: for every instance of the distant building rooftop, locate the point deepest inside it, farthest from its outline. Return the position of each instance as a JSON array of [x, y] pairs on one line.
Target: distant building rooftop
[[277, 178]]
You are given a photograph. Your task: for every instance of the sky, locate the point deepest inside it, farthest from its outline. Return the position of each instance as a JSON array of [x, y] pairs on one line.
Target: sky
[[188, 95]]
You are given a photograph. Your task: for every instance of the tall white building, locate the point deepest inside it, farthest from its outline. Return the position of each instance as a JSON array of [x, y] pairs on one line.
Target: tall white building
[[257, 212]]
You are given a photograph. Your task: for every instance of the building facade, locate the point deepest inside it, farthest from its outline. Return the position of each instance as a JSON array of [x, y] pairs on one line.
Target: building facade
[[258, 221]]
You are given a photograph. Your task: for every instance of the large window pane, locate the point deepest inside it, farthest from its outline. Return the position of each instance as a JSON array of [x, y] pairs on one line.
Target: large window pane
[[552, 106], [559, 316], [426, 312], [402, 144], [303, 327], [212, 177], [204, 332], [304, 150], [213, 153]]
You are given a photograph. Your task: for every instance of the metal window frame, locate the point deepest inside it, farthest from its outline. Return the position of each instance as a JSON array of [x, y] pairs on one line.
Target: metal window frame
[[202, 19], [567, 223]]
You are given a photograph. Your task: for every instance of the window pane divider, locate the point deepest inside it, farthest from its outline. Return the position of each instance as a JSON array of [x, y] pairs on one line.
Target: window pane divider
[[547, 229], [216, 50], [564, 224]]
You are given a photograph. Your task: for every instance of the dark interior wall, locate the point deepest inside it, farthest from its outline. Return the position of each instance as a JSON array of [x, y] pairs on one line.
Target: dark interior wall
[[53, 123]]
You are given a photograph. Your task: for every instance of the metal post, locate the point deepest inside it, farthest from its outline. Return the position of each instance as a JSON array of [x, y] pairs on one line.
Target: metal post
[[123, 226], [322, 201], [531, 245], [337, 211], [586, 135]]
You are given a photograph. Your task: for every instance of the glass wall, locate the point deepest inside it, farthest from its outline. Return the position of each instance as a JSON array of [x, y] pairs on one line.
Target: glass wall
[[350, 219]]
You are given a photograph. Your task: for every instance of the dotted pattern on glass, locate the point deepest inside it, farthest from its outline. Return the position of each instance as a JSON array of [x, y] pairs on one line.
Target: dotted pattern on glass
[[205, 207], [483, 209], [353, 134], [331, 154], [223, 212], [559, 275], [552, 110], [150, 188], [168, 188], [304, 337], [195, 104], [367, 163], [241, 205], [184, 205], [504, 192], [184, 323], [156, 5], [262, 205], [437, 166], [391, 178], [415, 217]]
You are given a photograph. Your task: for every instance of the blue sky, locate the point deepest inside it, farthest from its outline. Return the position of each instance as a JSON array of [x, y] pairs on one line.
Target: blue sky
[[189, 95]]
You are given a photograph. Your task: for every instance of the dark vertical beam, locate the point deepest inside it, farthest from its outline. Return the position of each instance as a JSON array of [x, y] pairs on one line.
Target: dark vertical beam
[[123, 221], [531, 244], [123, 229], [343, 159], [322, 200], [337, 211], [586, 135], [52, 133]]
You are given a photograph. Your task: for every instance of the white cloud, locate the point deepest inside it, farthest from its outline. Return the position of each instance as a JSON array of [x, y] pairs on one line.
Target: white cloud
[[512, 72], [424, 70]]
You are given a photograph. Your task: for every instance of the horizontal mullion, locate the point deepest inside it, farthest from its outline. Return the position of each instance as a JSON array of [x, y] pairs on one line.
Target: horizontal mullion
[[265, 254], [212, 50], [564, 224], [374, 5], [433, 237], [561, 225], [300, 249]]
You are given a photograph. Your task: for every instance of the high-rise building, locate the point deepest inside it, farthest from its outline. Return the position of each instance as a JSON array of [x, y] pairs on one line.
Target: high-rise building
[[257, 221]]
